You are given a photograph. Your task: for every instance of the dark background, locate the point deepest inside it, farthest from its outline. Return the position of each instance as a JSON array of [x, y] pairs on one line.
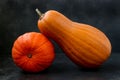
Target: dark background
[[18, 17]]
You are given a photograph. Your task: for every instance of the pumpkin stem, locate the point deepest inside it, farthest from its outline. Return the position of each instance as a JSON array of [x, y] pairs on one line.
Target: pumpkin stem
[[39, 13], [29, 55]]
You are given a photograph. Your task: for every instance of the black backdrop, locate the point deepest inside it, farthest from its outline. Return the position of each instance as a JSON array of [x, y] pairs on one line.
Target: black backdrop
[[18, 17]]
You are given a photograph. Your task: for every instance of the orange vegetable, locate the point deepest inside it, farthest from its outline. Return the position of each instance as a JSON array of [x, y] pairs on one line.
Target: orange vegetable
[[33, 52], [85, 45]]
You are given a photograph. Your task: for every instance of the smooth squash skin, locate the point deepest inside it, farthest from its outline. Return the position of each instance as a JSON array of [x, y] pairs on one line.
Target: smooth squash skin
[[85, 45]]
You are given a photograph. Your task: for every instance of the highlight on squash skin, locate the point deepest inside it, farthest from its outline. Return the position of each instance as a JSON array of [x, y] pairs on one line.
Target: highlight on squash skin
[[84, 44], [33, 52]]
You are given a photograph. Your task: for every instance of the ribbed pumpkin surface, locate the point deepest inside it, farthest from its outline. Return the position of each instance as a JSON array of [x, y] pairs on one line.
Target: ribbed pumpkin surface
[[33, 52]]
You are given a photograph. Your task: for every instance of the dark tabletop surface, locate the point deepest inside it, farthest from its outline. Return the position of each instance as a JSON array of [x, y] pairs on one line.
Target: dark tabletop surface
[[62, 69]]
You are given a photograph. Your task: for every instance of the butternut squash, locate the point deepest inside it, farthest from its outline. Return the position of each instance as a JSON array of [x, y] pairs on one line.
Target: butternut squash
[[85, 45]]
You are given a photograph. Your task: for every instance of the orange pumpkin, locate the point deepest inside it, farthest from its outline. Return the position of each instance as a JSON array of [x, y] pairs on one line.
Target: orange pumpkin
[[33, 52], [85, 45]]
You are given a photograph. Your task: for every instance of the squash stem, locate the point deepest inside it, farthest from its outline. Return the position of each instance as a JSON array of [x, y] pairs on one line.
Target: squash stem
[[38, 12]]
